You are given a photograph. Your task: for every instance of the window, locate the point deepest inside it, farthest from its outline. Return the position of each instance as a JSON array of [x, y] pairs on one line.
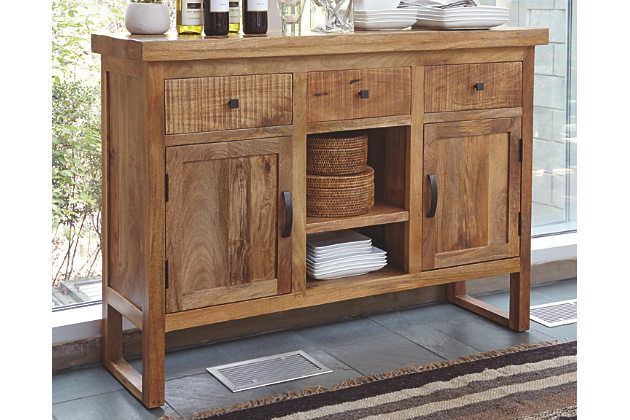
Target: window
[[555, 110]]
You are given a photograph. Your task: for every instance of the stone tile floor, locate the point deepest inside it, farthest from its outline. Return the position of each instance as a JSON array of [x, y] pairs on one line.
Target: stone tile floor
[[353, 348]]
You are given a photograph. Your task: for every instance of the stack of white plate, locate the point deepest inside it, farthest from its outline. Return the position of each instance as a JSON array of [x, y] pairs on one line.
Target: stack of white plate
[[345, 253], [384, 19], [480, 17]]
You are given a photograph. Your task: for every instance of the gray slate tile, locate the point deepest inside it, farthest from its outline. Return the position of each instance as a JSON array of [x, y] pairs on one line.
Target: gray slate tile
[[82, 383], [391, 353], [412, 327], [117, 405], [194, 393], [356, 331], [189, 362]]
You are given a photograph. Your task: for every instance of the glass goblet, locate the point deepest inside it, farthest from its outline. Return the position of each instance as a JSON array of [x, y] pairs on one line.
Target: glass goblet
[[291, 15]]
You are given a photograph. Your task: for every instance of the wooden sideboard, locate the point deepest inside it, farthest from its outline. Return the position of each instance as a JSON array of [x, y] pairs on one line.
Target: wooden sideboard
[[204, 174]]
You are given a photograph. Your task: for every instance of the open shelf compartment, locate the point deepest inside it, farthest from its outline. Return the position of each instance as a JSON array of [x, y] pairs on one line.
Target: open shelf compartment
[[387, 155], [386, 223]]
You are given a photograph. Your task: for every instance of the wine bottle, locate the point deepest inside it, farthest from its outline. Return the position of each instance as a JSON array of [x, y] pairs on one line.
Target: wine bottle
[[255, 16], [189, 17], [216, 17], [235, 16]]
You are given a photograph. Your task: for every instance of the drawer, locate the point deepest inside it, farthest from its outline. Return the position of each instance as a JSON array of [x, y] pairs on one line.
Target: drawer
[[334, 95], [453, 87], [227, 103]]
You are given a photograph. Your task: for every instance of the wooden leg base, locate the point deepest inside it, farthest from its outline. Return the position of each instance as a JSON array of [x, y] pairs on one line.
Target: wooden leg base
[[518, 317], [126, 374]]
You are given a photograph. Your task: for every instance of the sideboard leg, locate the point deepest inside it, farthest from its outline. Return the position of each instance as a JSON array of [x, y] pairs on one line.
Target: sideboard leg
[[519, 300], [111, 335], [153, 354]]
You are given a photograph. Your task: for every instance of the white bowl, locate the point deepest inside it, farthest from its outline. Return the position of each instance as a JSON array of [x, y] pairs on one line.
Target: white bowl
[[376, 4]]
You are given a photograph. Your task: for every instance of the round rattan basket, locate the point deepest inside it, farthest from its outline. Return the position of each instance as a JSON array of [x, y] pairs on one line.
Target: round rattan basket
[[340, 196], [337, 154]]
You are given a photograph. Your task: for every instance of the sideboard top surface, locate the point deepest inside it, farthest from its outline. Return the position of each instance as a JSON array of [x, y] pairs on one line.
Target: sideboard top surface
[[171, 47]]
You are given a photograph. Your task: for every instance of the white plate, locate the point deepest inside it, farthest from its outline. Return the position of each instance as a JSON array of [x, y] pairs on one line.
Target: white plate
[[337, 252], [459, 24], [386, 25], [375, 256], [346, 273], [393, 18], [385, 12], [331, 240], [345, 266], [464, 18], [374, 4], [371, 252]]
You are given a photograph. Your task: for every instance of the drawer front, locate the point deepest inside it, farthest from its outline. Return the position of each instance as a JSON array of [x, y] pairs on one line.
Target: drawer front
[[459, 87], [226, 103], [335, 95]]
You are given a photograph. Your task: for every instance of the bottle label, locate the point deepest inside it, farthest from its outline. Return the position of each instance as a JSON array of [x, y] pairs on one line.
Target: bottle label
[[235, 12], [192, 13], [219, 6], [257, 5]]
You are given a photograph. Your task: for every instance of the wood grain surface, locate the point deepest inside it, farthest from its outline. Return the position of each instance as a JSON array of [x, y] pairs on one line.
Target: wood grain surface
[[223, 217], [478, 176], [334, 95], [170, 47], [451, 87], [202, 104]]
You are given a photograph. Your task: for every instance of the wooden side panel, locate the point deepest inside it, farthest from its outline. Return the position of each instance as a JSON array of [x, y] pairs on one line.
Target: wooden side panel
[[196, 105], [451, 87], [224, 215], [478, 178], [334, 95], [126, 190]]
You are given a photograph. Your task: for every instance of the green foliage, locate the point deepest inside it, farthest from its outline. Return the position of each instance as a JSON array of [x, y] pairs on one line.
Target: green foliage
[[76, 152], [76, 132], [146, 1]]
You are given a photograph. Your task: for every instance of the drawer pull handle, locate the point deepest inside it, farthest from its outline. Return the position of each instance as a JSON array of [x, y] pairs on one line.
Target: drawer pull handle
[[434, 195], [234, 103], [288, 214], [478, 86], [364, 94]]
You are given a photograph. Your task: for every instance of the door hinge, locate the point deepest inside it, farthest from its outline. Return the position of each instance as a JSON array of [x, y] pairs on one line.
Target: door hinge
[[520, 150], [166, 274], [166, 188], [520, 223]]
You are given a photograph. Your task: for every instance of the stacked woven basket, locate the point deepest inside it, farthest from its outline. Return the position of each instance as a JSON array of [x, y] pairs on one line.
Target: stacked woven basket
[[338, 182]]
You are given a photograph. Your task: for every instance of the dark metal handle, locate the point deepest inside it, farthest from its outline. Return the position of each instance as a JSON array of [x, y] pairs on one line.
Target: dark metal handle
[[434, 195], [364, 94], [288, 214], [479, 86], [234, 103]]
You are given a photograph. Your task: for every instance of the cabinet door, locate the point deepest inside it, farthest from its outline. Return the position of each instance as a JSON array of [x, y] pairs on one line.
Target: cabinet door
[[472, 176], [228, 216]]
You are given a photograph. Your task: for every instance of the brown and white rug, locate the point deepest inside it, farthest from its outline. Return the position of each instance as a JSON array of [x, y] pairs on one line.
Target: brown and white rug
[[524, 382]]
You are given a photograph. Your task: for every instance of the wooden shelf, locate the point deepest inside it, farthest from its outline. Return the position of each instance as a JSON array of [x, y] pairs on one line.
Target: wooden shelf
[[381, 214], [385, 274]]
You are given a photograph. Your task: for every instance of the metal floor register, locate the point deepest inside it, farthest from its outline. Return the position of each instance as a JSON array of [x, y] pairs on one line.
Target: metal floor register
[[256, 373], [555, 314]]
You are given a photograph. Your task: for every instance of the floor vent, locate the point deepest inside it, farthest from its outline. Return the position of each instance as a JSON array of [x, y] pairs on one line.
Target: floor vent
[[556, 313], [268, 370]]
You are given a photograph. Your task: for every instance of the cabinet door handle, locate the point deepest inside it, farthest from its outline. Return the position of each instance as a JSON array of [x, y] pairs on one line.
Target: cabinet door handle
[[288, 214], [234, 103], [434, 195], [364, 94], [479, 86]]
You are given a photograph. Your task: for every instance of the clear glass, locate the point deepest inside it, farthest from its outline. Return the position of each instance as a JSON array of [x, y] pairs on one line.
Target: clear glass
[[554, 207], [332, 16], [291, 15]]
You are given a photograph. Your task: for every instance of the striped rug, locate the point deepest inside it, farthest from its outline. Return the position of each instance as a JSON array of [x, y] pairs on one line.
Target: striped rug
[[523, 382]]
